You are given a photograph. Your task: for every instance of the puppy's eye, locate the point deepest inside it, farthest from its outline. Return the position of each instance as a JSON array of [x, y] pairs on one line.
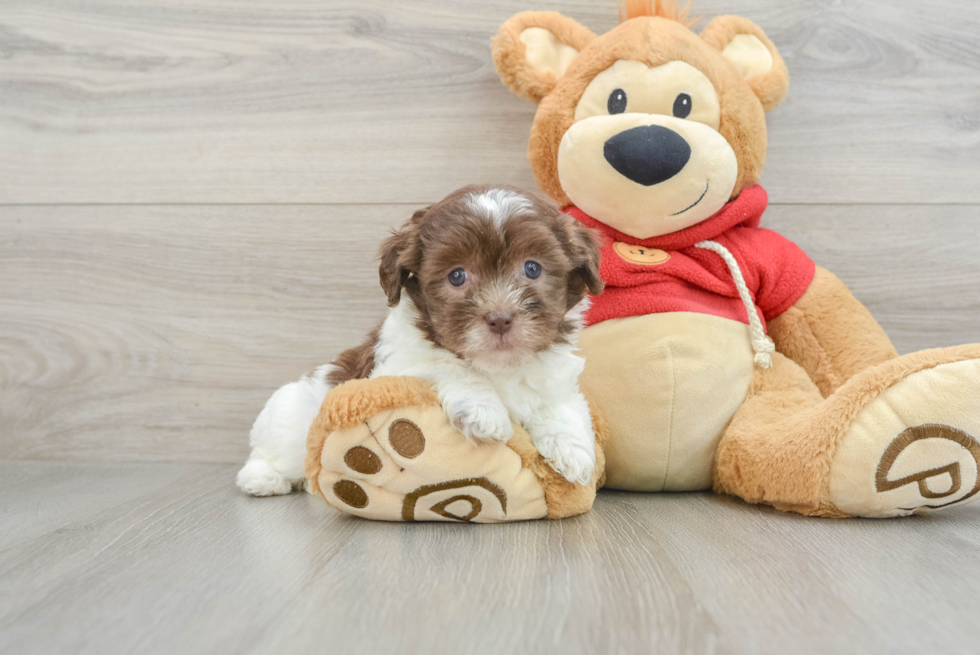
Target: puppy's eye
[[683, 106], [532, 270], [457, 277], [617, 102]]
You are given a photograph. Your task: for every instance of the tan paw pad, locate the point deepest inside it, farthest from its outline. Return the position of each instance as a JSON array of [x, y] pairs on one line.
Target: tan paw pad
[[908, 452], [410, 464], [944, 485]]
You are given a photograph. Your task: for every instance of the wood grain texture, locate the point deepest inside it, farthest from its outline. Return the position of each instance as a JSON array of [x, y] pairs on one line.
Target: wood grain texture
[[231, 101], [157, 333], [188, 565], [164, 330], [915, 267]]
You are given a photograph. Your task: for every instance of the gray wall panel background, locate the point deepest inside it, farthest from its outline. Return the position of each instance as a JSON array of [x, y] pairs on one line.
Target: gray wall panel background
[[191, 195]]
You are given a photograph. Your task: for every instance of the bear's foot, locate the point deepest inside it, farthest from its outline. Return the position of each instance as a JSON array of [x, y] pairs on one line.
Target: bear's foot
[[914, 445], [383, 449]]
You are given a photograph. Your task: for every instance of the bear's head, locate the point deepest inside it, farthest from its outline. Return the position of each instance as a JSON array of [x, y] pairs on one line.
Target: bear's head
[[649, 128]]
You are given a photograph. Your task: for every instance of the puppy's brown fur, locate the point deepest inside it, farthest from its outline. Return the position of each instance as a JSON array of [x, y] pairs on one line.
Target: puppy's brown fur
[[492, 250], [354, 363]]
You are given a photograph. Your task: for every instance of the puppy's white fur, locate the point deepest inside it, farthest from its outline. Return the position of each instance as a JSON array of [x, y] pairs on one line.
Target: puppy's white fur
[[278, 439], [480, 396], [499, 204]]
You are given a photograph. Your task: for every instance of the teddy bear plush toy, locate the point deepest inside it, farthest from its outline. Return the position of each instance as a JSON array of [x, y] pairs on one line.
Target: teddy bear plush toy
[[719, 357]]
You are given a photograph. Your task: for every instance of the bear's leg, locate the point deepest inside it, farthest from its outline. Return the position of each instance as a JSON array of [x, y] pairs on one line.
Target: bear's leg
[[383, 449], [897, 438], [830, 333]]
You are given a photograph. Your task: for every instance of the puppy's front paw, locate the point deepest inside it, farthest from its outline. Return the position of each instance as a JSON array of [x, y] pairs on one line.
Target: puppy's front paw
[[569, 459], [483, 420]]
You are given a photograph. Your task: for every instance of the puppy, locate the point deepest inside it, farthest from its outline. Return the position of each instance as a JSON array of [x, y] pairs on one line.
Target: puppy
[[487, 291]]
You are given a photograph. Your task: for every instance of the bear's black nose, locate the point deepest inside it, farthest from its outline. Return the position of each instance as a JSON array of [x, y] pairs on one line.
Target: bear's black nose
[[648, 155]]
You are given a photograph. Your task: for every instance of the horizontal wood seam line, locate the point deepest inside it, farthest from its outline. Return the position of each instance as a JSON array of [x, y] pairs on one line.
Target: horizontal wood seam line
[[423, 202]]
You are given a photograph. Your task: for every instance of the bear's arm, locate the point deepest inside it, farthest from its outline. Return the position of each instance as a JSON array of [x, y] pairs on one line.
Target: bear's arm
[[830, 333]]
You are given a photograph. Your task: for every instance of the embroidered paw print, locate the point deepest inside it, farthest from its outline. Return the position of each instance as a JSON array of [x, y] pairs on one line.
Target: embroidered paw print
[[937, 485], [410, 464], [904, 453]]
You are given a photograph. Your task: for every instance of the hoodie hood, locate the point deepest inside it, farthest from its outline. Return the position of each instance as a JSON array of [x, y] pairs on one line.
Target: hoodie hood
[[725, 266], [744, 211]]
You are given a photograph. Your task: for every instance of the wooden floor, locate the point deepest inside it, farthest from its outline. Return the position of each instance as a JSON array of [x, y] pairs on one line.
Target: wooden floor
[[168, 558], [191, 194]]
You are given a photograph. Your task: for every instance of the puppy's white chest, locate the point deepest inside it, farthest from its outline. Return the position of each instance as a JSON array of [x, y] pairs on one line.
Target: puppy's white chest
[[520, 400], [524, 389]]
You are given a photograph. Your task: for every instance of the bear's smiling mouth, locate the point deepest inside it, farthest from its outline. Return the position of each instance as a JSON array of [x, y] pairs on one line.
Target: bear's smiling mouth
[[707, 183]]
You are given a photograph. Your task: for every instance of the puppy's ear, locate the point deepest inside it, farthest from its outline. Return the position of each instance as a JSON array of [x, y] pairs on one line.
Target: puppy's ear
[[752, 54], [584, 250], [400, 254], [533, 49]]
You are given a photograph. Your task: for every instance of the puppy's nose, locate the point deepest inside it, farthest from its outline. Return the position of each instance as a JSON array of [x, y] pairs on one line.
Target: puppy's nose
[[648, 154], [499, 322]]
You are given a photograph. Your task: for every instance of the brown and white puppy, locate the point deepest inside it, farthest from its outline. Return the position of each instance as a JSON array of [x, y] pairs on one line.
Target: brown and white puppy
[[487, 290]]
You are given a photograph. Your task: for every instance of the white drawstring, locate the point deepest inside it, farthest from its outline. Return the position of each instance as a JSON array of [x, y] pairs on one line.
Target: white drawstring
[[762, 346]]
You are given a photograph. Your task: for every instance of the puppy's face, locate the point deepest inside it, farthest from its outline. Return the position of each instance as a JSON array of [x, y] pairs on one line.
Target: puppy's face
[[493, 272]]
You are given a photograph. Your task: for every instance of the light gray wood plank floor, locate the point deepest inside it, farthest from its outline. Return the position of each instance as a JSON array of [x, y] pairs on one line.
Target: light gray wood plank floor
[[170, 558]]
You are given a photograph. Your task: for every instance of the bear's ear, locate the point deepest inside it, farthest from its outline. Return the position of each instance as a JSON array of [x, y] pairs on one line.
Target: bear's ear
[[534, 48], [749, 50]]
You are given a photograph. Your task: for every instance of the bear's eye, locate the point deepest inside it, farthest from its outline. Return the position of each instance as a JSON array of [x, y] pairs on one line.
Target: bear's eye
[[532, 270], [617, 102], [682, 106], [457, 277]]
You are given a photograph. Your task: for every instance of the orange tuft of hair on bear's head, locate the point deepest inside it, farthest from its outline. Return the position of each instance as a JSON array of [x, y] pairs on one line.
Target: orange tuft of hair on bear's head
[[660, 8]]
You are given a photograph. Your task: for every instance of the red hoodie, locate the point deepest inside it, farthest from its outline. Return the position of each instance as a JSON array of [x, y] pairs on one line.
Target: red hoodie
[[669, 274]]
